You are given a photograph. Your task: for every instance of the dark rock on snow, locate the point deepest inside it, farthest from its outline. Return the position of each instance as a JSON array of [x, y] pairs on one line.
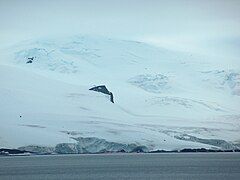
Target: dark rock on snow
[[104, 90]]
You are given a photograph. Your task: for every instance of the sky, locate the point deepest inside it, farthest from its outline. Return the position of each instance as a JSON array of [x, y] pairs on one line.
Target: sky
[[202, 26]]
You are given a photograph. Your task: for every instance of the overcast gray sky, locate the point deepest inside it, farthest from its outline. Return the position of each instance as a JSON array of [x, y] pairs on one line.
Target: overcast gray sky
[[195, 25]]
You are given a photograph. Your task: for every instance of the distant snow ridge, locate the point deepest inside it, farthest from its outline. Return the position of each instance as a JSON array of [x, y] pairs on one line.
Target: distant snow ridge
[[151, 83], [222, 79]]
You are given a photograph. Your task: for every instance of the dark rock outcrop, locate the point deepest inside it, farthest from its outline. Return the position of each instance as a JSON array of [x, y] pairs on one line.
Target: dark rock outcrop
[[30, 60], [103, 89], [5, 151]]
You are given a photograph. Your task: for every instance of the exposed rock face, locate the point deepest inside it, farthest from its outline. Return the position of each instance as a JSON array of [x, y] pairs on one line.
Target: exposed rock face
[[103, 90], [86, 145], [30, 60], [94, 145], [6, 152], [91, 145]]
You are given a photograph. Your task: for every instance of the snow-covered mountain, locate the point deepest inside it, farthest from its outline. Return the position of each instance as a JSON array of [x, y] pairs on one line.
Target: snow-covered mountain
[[163, 99]]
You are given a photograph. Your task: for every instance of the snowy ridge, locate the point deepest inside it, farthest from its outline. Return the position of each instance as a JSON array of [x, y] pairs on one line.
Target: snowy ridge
[[163, 99]]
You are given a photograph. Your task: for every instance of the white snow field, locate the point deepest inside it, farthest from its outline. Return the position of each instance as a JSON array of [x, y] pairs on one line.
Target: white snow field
[[164, 100]]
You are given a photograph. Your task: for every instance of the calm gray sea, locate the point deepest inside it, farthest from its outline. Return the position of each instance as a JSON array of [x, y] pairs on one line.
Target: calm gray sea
[[212, 166]]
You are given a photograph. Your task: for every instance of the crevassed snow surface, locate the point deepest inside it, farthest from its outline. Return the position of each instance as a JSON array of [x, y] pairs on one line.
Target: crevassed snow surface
[[163, 99]]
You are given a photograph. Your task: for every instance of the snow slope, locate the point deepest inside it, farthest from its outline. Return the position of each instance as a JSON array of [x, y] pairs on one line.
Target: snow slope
[[163, 99]]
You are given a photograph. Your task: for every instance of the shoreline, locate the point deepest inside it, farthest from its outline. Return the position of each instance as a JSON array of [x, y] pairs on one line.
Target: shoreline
[[16, 152]]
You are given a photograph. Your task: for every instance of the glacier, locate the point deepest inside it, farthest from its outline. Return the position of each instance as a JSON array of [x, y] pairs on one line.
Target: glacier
[[164, 99]]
